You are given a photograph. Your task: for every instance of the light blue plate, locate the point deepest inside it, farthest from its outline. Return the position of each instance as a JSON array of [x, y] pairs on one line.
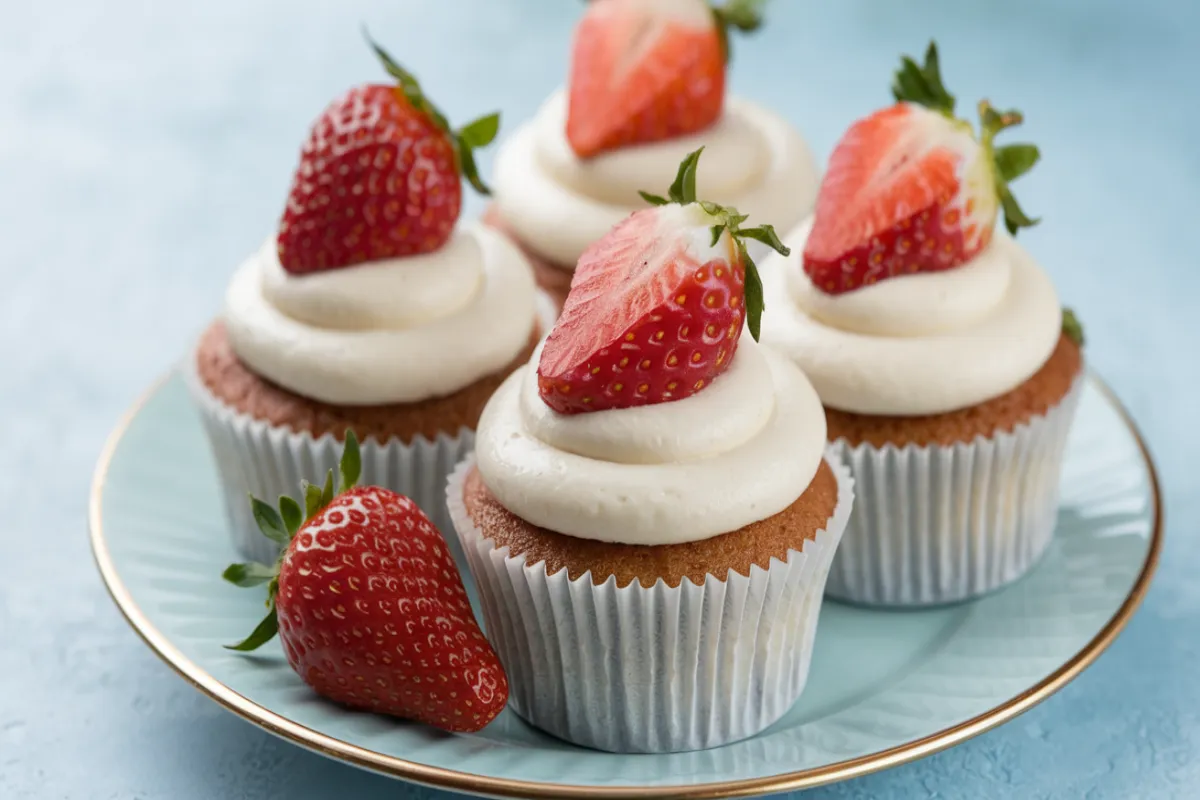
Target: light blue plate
[[885, 687]]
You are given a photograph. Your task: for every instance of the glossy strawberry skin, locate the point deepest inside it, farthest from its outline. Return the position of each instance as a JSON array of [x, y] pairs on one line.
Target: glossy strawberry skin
[[372, 614], [377, 179], [676, 87], [666, 349], [906, 191]]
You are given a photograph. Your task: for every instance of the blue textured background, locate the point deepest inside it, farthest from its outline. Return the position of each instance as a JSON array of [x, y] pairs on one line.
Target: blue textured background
[[146, 147]]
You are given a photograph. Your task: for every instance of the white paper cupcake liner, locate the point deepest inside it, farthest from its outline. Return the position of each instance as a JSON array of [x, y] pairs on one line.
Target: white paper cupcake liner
[[256, 457], [936, 524], [658, 669]]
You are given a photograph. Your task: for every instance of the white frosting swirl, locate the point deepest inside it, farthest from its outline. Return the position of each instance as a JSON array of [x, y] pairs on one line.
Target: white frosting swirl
[[558, 204], [915, 344], [661, 474], [394, 331]]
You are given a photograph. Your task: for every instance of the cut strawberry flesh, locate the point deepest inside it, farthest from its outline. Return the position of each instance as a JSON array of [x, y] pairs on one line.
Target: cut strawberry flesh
[[618, 281], [642, 72], [654, 314], [896, 200]]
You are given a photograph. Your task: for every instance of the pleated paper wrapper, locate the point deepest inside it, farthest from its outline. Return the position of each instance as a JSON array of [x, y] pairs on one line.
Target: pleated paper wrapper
[[256, 457], [939, 524], [658, 669], [265, 460]]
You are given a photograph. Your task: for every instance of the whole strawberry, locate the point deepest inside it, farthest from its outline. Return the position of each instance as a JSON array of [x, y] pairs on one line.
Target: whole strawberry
[[911, 189], [370, 608], [379, 177], [656, 306], [646, 70]]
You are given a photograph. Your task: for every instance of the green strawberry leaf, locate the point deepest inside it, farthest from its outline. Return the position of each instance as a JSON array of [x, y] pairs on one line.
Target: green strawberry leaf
[[653, 199], [293, 517], [350, 467], [755, 302], [247, 575], [470, 171], [269, 521], [683, 190], [923, 85], [480, 132], [312, 499], [1014, 160], [766, 234], [1072, 328], [1014, 217], [264, 633], [327, 489]]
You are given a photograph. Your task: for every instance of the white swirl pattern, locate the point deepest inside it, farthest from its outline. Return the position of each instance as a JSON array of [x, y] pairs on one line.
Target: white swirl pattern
[[377, 333], [915, 344], [558, 204], [660, 478]]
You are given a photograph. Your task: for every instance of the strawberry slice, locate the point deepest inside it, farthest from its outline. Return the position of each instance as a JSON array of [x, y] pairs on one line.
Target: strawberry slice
[[911, 189], [647, 70], [656, 306]]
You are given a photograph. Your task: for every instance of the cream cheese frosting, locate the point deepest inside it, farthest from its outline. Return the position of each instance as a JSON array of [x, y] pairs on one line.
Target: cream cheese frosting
[[918, 344], [558, 204], [393, 331], [740, 451]]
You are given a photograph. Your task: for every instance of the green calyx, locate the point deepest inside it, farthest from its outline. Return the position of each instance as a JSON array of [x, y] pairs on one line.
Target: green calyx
[[1072, 328], [465, 140], [281, 527], [742, 15], [922, 84], [726, 219]]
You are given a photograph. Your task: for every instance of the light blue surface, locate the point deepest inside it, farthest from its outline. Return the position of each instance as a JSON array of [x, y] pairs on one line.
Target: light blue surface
[[145, 148], [879, 679]]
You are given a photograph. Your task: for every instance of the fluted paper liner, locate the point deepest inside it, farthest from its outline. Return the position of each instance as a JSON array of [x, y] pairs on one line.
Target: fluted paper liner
[[253, 456], [939, 524], [657, 669]]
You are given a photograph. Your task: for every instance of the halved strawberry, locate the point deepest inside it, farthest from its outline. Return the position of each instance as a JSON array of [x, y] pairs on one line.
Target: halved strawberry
[[645, 70], [910, 188], [656, 306], [379, 177]]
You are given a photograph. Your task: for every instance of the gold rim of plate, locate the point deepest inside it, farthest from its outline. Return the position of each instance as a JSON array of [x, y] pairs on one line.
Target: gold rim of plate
[[507, 787]]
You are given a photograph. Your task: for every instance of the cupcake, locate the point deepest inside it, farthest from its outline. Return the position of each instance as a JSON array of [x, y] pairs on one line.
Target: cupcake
[[948, 370], [647, 86], [649, 514], [368, 310]]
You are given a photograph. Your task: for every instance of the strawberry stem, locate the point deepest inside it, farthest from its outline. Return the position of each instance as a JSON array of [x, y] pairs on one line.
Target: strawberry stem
[[726, 220], [465, 140], [744, 15]]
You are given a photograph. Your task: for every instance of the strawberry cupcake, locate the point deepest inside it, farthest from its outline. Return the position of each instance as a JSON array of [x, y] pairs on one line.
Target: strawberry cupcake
[[650, 515], [647, 86], [368, 310], [949, 371]]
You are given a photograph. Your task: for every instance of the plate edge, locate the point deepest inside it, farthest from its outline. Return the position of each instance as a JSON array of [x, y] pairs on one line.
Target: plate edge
[[506, 787]]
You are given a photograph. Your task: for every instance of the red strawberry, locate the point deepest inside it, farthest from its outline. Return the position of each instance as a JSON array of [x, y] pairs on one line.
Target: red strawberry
[[370, 608], [646, 70], [379, 177], [910, 189], [656, 306]]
